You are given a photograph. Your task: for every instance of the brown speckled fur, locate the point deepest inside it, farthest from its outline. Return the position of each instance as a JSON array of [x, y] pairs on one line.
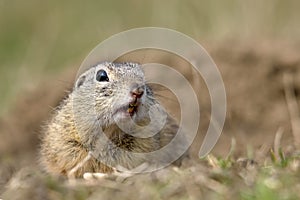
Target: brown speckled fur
[[65, 142]]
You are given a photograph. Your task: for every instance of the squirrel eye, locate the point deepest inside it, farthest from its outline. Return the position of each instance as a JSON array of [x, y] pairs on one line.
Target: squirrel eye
[[102, 76]]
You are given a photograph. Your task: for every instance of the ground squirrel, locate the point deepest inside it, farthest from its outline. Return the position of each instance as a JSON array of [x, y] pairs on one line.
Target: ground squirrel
[[113, 98]]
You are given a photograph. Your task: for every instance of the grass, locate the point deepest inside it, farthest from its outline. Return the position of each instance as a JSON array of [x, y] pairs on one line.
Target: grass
[[242, 179]]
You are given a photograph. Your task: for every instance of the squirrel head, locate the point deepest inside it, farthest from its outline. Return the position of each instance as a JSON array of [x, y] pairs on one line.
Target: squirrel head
[[111, 93]]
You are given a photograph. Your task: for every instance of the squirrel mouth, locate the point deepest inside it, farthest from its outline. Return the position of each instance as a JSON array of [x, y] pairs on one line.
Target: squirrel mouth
[[132, 108]]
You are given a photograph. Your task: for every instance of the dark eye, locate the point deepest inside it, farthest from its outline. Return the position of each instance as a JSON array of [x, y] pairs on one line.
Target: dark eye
[[102, 76]]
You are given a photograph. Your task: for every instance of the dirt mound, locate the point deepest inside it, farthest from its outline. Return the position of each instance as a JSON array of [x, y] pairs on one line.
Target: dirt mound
[[253, 76]]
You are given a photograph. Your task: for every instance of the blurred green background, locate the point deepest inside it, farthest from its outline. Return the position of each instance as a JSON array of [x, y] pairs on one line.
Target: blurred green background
[[41, 38]]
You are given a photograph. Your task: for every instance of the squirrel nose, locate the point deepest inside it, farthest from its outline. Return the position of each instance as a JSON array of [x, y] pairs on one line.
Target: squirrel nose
[[137, 92]]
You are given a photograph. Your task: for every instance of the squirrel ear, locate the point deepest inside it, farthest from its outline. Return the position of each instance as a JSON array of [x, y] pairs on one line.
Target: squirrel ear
[[80, 81]]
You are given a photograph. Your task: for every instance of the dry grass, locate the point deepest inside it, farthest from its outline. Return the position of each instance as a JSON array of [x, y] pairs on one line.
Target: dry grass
[[211, 178]]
